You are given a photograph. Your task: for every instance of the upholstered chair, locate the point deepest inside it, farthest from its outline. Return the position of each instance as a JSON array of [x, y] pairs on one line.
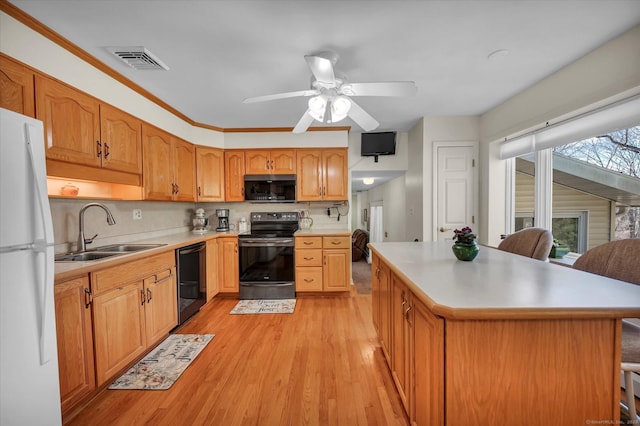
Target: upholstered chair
[[531, 242], [619, 260]]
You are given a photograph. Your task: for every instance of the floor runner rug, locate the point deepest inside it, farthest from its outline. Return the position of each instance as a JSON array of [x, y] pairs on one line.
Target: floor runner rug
[[161, 367], [264, 306]]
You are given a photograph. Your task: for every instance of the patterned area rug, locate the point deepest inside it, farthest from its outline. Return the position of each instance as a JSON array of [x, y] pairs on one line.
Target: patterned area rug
[[161, 367], [263, 306]]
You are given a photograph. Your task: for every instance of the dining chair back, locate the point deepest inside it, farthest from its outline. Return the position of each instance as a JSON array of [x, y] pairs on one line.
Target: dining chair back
[[531, 242], [620, 260]]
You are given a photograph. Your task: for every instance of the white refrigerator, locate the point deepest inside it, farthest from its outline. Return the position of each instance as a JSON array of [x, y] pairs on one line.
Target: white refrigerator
[[29, 384]]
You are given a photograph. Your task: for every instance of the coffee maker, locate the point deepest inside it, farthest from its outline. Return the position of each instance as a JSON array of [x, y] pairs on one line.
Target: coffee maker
[[223, 220]]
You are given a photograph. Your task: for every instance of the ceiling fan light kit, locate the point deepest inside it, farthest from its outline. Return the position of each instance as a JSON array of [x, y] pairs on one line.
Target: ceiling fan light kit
[[331, 92]]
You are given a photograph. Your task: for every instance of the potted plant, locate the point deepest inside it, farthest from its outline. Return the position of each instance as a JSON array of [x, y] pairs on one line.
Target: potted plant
[[465, 246], [558, 249]]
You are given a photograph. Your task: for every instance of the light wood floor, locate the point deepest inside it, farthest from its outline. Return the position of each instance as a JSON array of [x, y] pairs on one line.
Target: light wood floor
[[321, 365]]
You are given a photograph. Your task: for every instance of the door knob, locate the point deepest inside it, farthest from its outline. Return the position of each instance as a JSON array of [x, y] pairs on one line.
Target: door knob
[[443, 229]]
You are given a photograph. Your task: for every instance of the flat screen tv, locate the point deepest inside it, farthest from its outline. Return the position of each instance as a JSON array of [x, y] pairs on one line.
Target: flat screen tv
[[378, 143]]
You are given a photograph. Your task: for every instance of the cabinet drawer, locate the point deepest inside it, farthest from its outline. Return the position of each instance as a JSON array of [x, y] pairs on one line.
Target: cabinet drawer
[[308, 257], [309, 279], [109, 278], [308, 242], [336, 242]]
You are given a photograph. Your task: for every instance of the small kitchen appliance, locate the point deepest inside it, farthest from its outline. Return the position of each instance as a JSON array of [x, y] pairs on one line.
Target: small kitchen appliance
[[200, 222], [223, 220]]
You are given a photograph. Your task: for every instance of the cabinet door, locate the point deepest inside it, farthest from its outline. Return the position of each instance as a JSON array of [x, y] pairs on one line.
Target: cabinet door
[[427, 347], [210, 174], [213, 271], [16, 87], [309, 184], [234, 175], [118, 329], [120, 134], [71, 123], [75, 341], [228, 264], [161, 307], [282, 162], [335, 273], [257, 162], [184, 170], [335, 175], [157, 164], [400, 339]]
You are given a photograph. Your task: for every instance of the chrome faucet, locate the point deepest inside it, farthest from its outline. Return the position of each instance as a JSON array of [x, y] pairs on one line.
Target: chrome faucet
[[82, 241]]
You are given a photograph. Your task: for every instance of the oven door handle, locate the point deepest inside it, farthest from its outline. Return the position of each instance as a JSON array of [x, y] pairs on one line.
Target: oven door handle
[[265, 284], [263, 242]]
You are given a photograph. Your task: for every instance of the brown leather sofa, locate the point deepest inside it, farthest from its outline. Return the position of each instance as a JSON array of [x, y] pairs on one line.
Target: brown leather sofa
[[359, 240]]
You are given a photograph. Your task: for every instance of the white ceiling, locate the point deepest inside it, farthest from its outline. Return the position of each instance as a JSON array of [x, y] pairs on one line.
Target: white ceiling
[[220, 52], [379, 177]]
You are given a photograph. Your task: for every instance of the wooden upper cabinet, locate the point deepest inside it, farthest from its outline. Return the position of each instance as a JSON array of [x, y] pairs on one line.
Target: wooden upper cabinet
[[184, 170], [158, 164], [335, 174], [275, 161], [322, 174], [71, 123], [234, 175], [121, 140], [16, 87], [210, 174], [169, 166]]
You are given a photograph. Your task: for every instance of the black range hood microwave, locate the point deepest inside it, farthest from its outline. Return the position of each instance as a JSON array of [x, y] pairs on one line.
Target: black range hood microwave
[[270, 188]]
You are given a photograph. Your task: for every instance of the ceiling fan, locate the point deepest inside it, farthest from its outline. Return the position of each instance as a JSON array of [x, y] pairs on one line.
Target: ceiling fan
[[331, 92]]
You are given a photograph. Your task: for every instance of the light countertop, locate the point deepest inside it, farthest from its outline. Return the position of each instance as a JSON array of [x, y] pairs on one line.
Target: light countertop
[[498, 284], [67, 270], [312, 232]]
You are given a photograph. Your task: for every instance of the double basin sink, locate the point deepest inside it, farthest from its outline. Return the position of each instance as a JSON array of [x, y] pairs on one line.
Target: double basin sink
[[104, 252]]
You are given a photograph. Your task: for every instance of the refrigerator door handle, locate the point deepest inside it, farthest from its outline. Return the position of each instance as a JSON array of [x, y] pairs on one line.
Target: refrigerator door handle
[[43, 247]]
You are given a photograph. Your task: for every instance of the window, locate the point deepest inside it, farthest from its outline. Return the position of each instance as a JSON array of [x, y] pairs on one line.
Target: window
[[569, 228]]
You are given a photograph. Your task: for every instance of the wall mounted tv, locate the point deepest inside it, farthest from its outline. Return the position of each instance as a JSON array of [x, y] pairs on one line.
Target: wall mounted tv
[[378, 143]]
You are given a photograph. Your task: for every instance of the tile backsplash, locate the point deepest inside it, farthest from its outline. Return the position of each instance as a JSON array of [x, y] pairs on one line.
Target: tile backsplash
[[162, 218]]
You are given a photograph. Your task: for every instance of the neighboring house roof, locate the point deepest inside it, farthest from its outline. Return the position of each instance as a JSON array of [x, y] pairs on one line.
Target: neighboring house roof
[[588, 178]]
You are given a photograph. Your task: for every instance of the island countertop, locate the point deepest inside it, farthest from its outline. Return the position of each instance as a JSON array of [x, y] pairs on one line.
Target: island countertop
[[501, 285]]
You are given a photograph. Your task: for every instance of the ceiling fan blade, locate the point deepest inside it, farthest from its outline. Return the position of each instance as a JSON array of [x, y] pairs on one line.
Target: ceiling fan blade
[[383, 88], [304, 123], [362, 118], [321, 68], [281, 96]]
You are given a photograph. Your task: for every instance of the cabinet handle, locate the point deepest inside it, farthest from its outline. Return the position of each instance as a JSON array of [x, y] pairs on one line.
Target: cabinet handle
[[272, 165], [325, 261], [307, 243], [309, 258], [177, 188], [168, 277], [142, 294], [106, 150], [199, 192], [336, 243], [149, 295], [99, 147], [406, 315], [266, 164], [88, 298], [308, 280]]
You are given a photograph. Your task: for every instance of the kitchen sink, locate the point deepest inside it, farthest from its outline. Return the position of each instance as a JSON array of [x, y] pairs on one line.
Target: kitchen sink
[[126, 247], [84, 256], [98, 253]]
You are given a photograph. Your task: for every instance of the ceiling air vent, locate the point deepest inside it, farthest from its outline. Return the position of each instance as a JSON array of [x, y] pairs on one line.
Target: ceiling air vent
[[138, 57]]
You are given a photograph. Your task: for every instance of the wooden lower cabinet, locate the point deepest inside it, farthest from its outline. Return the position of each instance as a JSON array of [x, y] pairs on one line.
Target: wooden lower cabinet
[[212, 269], [412, 341], [323, 263], [75, 341], [228, 267], [134, 307]]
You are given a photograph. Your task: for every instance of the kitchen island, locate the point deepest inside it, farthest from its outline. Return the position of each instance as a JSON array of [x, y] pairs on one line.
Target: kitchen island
[[503, 339]]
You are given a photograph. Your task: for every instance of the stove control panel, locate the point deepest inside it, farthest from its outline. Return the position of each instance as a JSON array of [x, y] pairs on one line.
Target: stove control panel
[[274, 217]]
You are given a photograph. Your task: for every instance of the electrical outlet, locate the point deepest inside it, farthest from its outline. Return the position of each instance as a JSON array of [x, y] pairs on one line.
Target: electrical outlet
[[137, 214]]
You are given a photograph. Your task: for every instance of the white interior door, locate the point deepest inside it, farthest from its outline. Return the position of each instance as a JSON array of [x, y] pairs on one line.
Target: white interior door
[[455, 183]]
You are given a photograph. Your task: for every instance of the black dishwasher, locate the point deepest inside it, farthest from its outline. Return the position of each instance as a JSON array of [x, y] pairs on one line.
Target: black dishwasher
[[192, 290]]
